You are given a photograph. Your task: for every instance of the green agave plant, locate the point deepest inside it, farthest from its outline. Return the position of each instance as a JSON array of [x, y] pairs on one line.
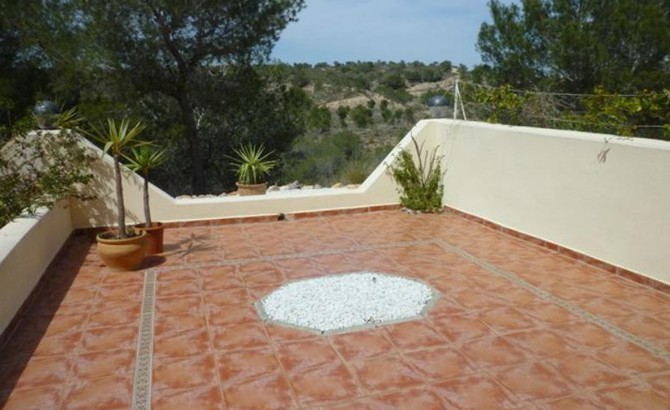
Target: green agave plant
[[142, 160], [252, 163]]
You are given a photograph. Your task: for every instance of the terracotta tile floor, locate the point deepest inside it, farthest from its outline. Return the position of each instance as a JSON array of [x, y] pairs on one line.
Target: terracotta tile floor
[[516, 326]]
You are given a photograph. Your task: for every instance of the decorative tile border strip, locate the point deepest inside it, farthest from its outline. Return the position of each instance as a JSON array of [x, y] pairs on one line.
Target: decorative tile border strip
[[606, 266], [588, 316], [143, 362]]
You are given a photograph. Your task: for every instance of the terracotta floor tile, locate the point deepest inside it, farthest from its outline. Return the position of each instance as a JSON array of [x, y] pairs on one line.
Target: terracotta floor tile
[[204, 398], [265, 393], [172, 324], [548, 313], [586, 334], [477, 299], [645, 302], [229, 297], [412, 399], [312, 390], [110, 277], [460, 329], [483, 338], [243, 366], [181, 343], [44, 371], [177, 288], [630, 358], [573, 403], [107, 393], [58, 324], [606, 308], [183, 305], [507, 319], [58, 345], [175, 373], [261, 273], [239, 337], [129, 292], [515, 296], [82, 297], [178, 275], [361, 345], [120, 363], [646, 327], [473, 392], [217, 280], [109, 338], [585, 370], [230, 315], [493, 351], [540, 341], [439, 363], [633, 397], [534, 381], [446, 307], [413, 335], [281, 334], [296, 357], [115, 317], [48, 397], [383, 373], [258, 292], [661, 383]]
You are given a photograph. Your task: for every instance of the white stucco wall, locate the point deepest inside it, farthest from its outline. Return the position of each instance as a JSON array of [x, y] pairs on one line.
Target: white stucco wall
[[27, 246], [378, 189], [604, 196]]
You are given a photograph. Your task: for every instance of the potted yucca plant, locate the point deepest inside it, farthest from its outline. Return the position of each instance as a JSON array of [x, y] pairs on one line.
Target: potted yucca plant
[[252, 164], [142, 160], [122, 248]]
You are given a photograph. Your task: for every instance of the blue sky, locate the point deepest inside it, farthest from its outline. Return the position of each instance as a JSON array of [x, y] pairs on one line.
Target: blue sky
[[388, 30]]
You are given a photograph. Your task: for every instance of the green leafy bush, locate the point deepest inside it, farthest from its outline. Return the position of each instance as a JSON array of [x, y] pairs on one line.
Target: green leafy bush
[[43, 168], [420, 181]]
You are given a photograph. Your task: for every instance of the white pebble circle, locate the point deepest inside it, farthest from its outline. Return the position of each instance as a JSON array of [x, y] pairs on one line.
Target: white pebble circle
[[338, 303]]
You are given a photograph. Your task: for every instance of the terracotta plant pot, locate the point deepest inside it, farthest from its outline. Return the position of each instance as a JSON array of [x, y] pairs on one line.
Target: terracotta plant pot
[[122, 254], [154, 237], [255, 189]]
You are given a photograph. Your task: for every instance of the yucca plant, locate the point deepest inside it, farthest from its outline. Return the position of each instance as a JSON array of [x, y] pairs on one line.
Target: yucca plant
[[116, 138], [420, 181], [252, 164], [143, 159]]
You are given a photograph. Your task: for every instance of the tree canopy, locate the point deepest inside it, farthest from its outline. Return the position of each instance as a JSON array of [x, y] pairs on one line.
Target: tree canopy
[[576, 45], [163, 57]]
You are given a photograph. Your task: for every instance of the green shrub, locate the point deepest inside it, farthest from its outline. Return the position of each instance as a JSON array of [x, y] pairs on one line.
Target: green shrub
[[44, 169], [355, 171], [420, 181]]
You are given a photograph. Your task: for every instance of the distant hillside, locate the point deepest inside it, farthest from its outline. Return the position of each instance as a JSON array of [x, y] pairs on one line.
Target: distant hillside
[[358, 111]]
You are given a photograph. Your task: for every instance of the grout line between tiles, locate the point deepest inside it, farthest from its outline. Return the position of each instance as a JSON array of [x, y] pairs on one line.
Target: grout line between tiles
[[571, 307], [144, 359]]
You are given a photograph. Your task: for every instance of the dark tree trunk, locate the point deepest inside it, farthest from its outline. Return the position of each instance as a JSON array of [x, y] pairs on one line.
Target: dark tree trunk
[[198, 181], [147, 209], [121, 217]]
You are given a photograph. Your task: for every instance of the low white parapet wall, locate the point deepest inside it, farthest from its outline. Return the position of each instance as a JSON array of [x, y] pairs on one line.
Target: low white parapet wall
[[27, 246], [377, 190], [600, 195], [604, 196]]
